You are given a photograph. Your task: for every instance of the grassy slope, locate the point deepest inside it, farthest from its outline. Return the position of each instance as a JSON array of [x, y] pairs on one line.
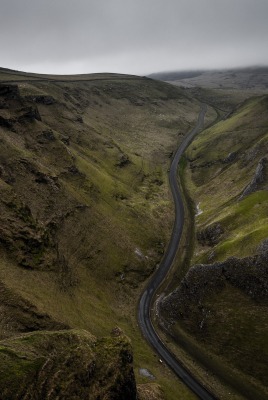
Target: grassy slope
[[216, 186], [235, 334], [92, 176]]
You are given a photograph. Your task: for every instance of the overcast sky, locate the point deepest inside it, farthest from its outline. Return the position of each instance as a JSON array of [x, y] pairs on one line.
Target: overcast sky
[[132, 36]]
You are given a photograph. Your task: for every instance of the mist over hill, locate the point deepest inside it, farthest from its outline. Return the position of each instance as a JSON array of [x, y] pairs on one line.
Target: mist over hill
[[251, 78]]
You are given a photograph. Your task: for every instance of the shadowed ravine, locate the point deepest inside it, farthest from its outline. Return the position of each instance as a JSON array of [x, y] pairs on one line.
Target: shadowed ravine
[[145, 304]]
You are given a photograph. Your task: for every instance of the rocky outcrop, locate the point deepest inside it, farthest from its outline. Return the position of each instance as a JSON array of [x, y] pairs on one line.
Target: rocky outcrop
[[262, 257], [21, 236], [123, 161], [46, 100], [29, 114], [20, 109], [69, 364], [3, 104], [9, 91], [65, 140], [231, 158], [211, 235], [258, 179], [251, 154], [46, 136], [205, 164], [6, 122], [249, 274]]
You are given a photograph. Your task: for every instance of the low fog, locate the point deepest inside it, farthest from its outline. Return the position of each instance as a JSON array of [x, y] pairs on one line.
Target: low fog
[[137, 37]]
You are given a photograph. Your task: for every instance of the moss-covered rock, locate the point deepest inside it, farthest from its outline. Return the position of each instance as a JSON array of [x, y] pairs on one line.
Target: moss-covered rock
[[66, 365]]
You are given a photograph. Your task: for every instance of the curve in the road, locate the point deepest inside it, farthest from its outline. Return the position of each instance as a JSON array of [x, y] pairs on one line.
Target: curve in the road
[[145, 303]]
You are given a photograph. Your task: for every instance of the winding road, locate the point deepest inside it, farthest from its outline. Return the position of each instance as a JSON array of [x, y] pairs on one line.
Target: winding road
[[146, 299]]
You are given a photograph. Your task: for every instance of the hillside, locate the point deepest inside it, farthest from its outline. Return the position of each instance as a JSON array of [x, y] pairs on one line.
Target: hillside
[[223, 89], [85, 213], [252, 78], [220, 307]]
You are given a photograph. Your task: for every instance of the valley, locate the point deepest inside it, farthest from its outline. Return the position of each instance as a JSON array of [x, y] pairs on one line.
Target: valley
[[86, 218]]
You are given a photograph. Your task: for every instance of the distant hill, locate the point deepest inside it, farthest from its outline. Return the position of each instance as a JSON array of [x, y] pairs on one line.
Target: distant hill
[[252, 78], [176, 75]]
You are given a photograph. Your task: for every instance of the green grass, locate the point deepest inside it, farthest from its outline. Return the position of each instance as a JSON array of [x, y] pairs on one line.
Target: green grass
[[216, 186], [234, 339], [245, 224]]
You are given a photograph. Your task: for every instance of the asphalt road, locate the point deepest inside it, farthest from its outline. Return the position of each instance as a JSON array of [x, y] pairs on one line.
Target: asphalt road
[[145, 303]]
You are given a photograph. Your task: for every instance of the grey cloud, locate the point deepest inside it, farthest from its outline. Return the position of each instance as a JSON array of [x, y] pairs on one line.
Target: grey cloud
[[74, 36]]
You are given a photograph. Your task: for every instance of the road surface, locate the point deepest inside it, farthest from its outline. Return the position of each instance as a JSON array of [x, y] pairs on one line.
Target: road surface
[[145, 303]]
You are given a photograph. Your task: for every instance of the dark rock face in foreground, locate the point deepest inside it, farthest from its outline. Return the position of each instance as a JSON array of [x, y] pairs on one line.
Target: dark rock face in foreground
[[70, 364]]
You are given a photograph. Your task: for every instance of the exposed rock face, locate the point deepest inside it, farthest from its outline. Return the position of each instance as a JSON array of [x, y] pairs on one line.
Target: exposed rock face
[[5, 122], [9, 91], [46, 100], [258, 179], [10, 95], [30, 113], [21, 236], [69, 364], [263, 253], [231, 158], [123, 161], [249, 274], [211, 235], [251, 155], [46, 136], [3, 104], [65, 140]]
